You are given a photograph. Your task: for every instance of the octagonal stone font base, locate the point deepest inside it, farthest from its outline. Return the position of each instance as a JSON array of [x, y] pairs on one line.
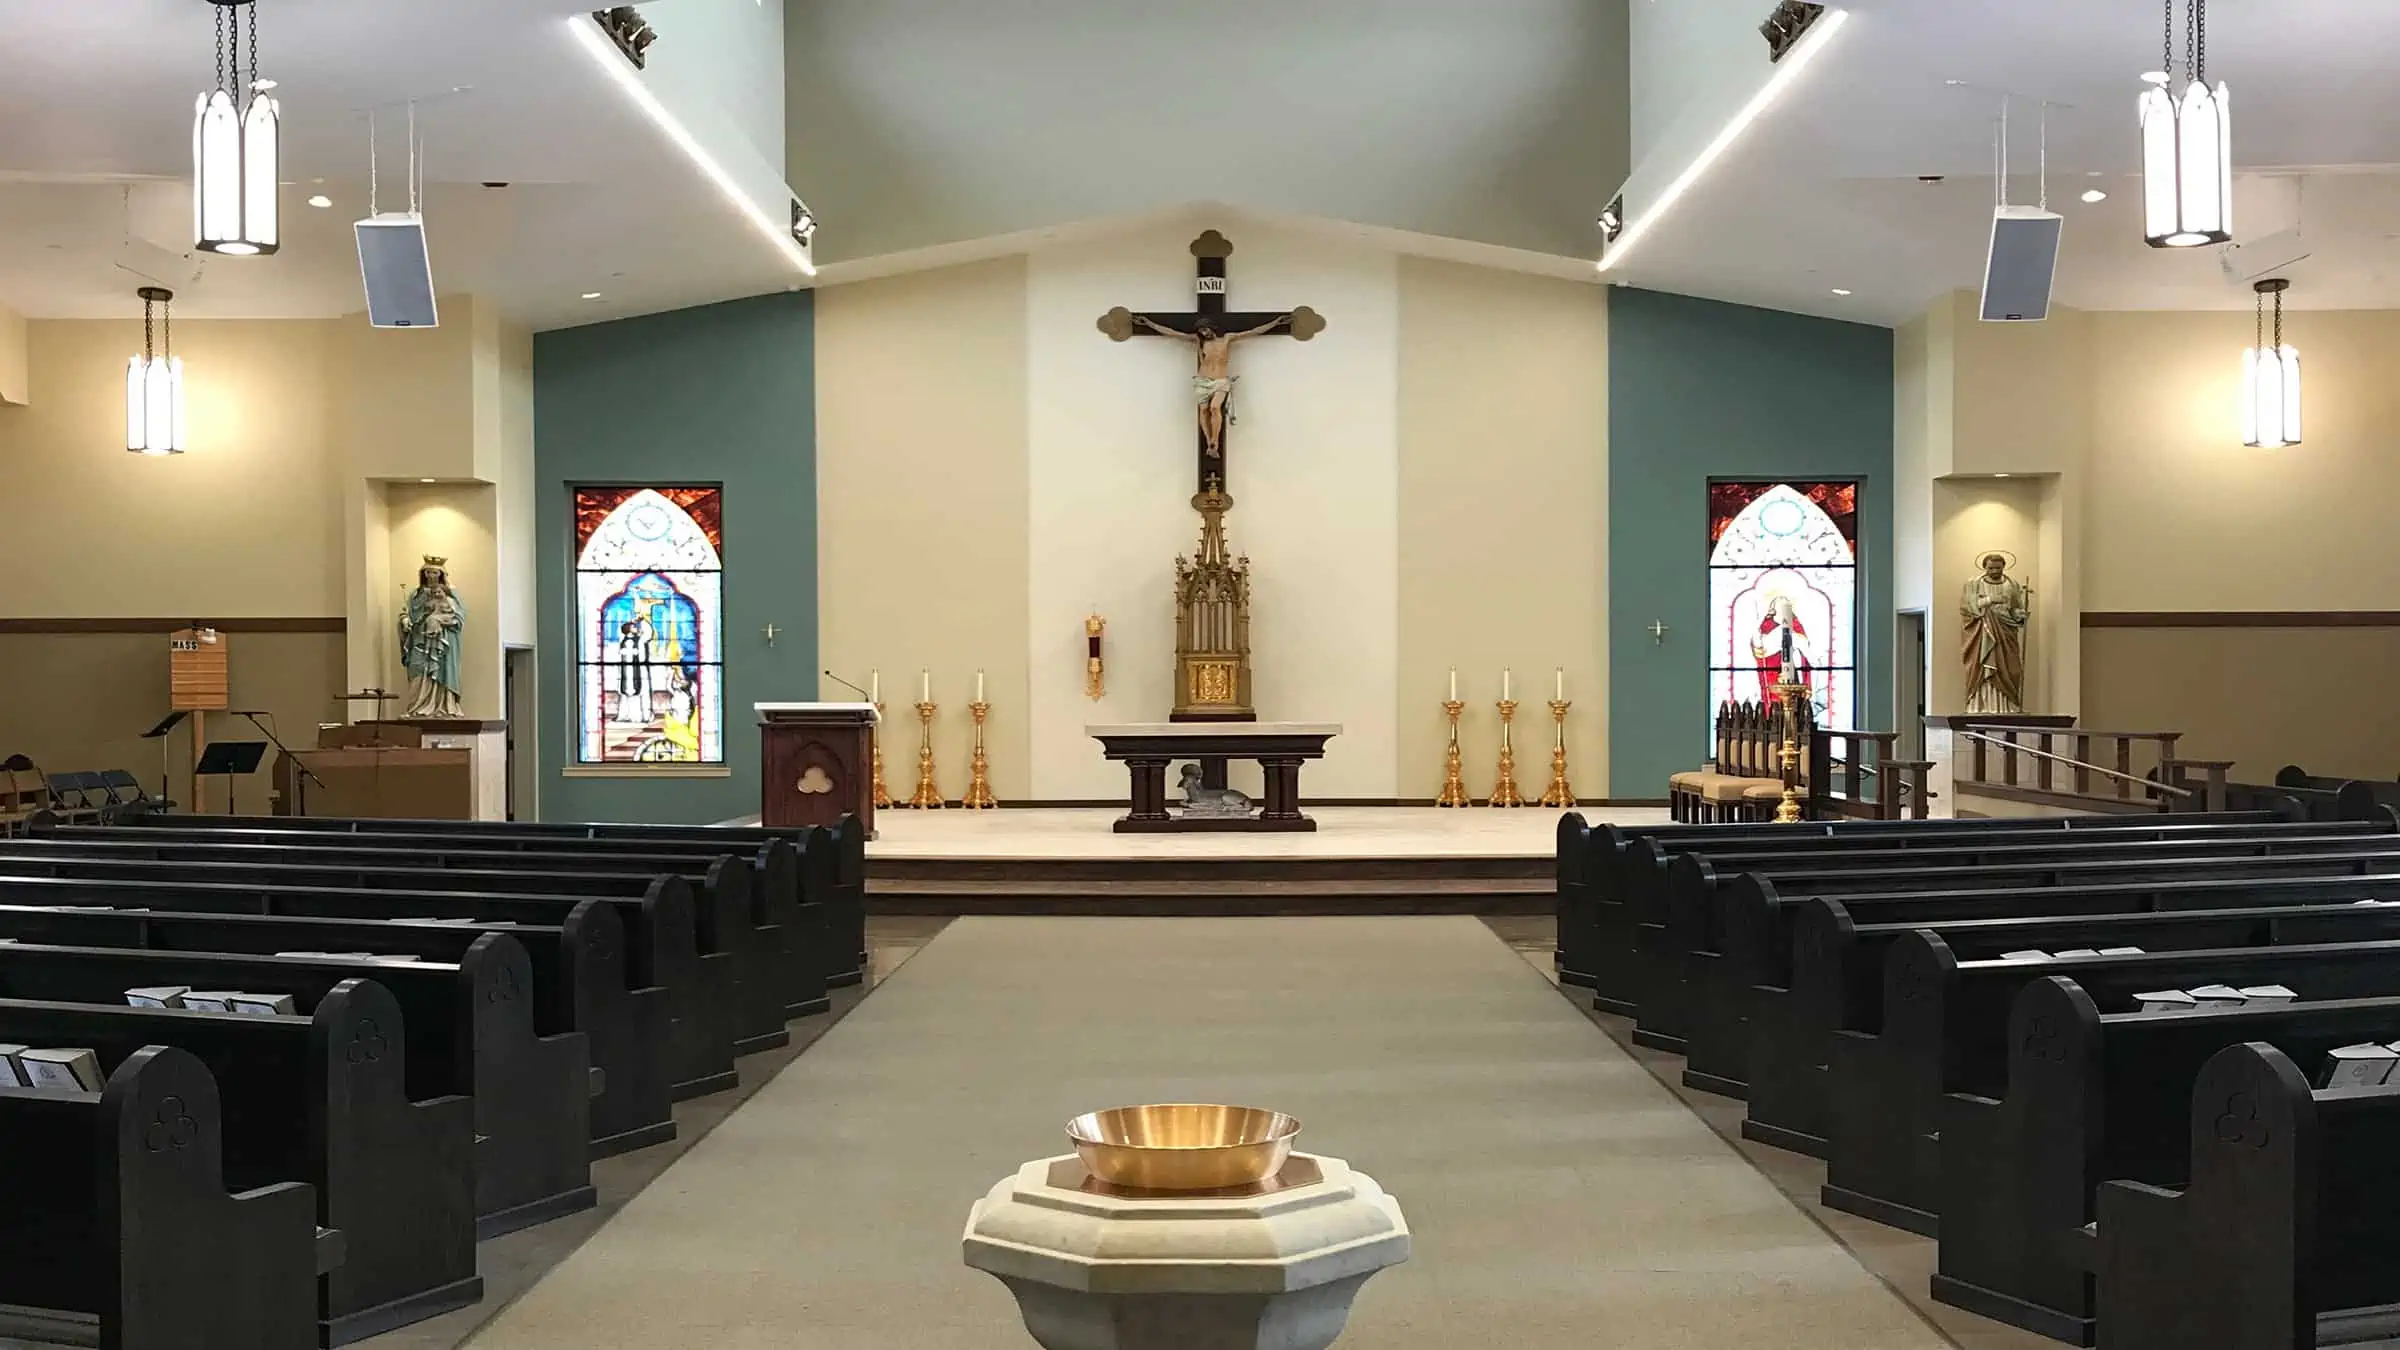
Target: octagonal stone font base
[[1273, 1266]]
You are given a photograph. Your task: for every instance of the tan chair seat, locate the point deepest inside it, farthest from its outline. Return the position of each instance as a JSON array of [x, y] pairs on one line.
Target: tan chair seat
[[1687, 781], [1727, 788], [1772, 792]]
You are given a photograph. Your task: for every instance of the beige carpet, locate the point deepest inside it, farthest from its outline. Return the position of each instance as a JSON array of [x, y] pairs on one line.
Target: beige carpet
[[1559, 1195]]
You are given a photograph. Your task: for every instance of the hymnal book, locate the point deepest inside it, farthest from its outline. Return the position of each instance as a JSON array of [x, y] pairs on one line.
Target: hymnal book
[[2120, 951], [208, 1000], [260, 1005], [2166, 1001], [10, 1074], [2077, 951], [63, 1070], [2267, 993], [352, 956], [2027, 955], [2217, 996], [2365, 1065], [157, 996]]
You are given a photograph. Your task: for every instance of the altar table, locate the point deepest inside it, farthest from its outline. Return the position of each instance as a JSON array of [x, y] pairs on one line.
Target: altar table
[[1148, 747]]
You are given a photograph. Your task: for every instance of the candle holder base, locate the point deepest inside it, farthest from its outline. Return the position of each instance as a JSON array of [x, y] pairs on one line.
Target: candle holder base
[[928, 796], [1454, 788], [1504, 790], [1559, 793], [979, 783]]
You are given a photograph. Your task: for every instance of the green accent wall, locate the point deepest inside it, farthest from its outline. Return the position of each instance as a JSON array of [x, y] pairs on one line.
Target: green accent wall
[[720, 394], [1700, 389]]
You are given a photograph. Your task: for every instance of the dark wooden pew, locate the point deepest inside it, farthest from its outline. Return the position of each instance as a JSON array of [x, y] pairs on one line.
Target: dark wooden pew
[[579, 980], [1701, 1001], [470, 1033], [844, 919], [318, 1099], [1941, 1024], [2283, 1238], [130, 1239], [1801, 972], [776, 977], [2095, 1096], [660, 946], [1596, 939]]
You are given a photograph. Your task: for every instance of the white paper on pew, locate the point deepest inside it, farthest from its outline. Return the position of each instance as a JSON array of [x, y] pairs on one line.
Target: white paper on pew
[[261, 1005], [67, 1069], [10, 1074], [2366, 1065], [2166, 1001], [2267, 993], [2027, 955], [352, 956], [208, 1000], [2078, 951], [157, 996], [2120, 951], [2217, 996]]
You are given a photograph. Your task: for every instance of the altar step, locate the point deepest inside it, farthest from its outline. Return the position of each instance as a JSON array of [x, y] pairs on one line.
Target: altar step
[[1196, 886]]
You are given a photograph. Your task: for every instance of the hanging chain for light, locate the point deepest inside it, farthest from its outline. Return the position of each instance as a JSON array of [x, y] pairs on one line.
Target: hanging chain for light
[[2258, 326], [2279, 317]]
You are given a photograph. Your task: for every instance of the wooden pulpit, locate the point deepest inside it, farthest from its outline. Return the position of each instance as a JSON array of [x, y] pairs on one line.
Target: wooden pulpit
[[815, 760]]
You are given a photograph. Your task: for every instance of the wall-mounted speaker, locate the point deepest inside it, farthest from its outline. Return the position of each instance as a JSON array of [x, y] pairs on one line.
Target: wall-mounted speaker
[[2022, 263], [397, 270]]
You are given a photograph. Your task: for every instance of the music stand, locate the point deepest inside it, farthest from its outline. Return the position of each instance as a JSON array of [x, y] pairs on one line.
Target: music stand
[[227, 758], [166, 793]]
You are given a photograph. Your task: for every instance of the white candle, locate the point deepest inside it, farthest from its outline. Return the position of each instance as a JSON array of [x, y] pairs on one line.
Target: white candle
[[1454, 684], [1504, 682], [979, 686], [924, 686], [874, 686], [1559, 682]]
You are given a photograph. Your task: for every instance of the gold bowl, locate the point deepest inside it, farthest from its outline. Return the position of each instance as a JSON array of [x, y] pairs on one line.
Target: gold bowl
[[1183, 1146]]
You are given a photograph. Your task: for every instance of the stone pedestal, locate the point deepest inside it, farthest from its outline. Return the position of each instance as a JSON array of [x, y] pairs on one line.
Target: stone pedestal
[[1266, 1267]]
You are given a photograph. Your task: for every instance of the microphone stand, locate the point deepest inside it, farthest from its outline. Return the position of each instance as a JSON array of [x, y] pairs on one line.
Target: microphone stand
[[862, 694], [307, 775]]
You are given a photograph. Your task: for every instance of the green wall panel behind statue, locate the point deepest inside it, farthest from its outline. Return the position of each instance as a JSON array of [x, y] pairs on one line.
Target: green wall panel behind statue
[[719, 394], [1699, 389]]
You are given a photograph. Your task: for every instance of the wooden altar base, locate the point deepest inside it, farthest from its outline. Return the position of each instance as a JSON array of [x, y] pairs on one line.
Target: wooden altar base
[[1216, 825]]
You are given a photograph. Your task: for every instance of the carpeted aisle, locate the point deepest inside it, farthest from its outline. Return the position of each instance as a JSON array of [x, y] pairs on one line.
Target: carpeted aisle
[[1559, 1195]]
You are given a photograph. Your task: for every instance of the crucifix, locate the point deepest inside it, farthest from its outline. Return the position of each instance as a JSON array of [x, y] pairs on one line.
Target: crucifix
[[1212, 331]]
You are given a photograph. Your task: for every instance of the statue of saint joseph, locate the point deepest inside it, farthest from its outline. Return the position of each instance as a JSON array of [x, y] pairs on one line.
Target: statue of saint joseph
[[1994, 606], [432, 629]]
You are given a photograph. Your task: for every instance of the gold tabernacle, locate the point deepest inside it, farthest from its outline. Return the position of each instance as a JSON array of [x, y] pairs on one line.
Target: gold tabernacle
[[1183, 1146]]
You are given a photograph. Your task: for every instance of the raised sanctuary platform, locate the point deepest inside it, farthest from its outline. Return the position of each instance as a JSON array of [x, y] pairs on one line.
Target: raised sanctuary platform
[[1360, 860]]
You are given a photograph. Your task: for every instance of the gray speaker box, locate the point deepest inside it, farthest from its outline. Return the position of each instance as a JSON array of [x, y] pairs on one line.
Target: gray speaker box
[[397, 270], [2023, 262]]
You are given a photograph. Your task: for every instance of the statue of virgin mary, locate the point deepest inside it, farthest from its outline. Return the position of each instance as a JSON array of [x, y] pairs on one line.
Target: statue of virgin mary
[[432, 630]]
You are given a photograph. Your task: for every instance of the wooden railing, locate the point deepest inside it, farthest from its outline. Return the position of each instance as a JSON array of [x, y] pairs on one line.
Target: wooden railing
[[1855, 774], [2073, 767]]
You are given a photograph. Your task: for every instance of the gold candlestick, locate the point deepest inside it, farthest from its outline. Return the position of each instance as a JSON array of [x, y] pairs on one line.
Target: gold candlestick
[[979, 783], [1559, 793], [883, 795], [1504, 792], [1454, 789], [927, 797], [1788, 811]]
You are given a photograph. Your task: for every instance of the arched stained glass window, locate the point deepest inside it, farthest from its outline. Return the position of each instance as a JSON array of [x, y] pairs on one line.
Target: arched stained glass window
[[1783, 588], [649, 619]]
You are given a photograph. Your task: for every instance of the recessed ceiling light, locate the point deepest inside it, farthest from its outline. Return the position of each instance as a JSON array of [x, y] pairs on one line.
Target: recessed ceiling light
[[320, 201], [2154, 77], [591, 295], [424, 480], [1839, 291], [2094, 195], [1999, 475]]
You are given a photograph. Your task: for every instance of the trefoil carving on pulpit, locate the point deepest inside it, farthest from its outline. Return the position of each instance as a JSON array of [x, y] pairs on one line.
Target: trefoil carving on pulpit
[[1212, 629]]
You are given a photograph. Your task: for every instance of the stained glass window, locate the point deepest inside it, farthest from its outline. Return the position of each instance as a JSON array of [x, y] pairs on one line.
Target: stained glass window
[[1783, 590], [649, 625]]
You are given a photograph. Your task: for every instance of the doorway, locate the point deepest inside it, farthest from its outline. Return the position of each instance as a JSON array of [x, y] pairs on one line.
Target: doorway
[[516, 670], [1908, 684]]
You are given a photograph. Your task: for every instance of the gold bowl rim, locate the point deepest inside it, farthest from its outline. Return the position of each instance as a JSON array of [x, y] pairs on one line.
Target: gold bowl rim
[[1282, 1126]]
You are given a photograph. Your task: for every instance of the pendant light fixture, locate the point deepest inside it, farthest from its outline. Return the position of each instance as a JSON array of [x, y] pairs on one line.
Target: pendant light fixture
[[234, 132], [2270, 377], [154, 382], [2187, 144]]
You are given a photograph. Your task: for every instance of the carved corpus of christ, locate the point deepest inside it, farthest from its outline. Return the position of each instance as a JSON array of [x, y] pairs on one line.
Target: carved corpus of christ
[[1212, 383]]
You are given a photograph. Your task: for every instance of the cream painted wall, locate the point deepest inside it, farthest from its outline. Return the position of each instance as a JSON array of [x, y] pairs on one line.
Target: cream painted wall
[[242, 526], [1503, 502], [459, 522], [2187, 517], [1913, 436], [514, 371], [922, 529], [14, 377], [408, 407], [1972, 517], [1315, 478]]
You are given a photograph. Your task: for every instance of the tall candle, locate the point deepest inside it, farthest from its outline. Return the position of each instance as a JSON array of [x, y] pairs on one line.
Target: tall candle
[[1559, 684], [1454, 684], [874, 686], [924, 686], [1504, 682], [979, 686]]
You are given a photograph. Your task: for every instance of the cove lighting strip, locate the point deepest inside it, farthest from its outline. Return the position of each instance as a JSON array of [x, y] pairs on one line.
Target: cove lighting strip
[[1786, 71], [596, 43]]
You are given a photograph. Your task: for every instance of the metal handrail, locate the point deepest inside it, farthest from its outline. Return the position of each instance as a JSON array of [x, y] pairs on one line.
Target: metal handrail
[[2071, 762]]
